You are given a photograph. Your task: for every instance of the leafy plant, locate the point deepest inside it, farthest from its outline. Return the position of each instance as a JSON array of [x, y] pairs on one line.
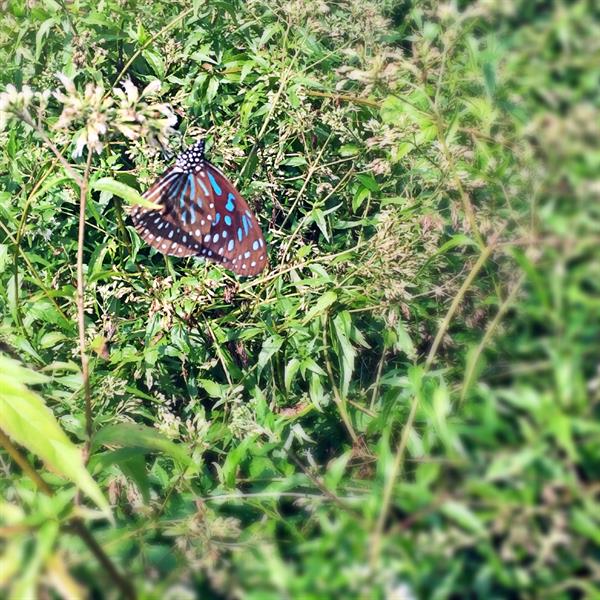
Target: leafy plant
[[405, 404]]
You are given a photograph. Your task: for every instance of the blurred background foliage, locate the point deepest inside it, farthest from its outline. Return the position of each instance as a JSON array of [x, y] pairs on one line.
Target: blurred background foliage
[[405, 405]]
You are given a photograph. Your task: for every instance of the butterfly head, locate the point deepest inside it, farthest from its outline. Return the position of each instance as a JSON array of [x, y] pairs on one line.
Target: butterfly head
[[192, 158]]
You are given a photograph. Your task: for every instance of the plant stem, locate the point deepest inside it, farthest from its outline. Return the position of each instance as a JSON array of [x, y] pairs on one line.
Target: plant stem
[[489, 332], [344, 98], [124, 585], [80, 297], [397, 465], [16, 455], [75, 524]]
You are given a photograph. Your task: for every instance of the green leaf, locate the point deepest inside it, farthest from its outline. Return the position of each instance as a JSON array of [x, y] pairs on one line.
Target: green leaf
[[464, 517], [323, 303], [122, 190], [27, 420], [130, 435], [290, 372], [345, 350], [271, 345]]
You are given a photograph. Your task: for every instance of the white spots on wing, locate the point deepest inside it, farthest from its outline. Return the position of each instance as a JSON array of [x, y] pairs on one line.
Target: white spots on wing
[[207, 238], [253, 263], [215, 238], [184, 239], [164, 246], [246, 254], [211, 205], [198, 233], [224, 233], [221, 250], [244, 266]]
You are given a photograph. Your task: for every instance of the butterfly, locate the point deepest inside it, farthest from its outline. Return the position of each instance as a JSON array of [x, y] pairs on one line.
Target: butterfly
[[202, 214]]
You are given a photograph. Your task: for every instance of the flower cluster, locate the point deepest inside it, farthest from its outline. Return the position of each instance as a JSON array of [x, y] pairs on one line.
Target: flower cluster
[[93, 113], [15, 104], [136, 117], [91, 107]]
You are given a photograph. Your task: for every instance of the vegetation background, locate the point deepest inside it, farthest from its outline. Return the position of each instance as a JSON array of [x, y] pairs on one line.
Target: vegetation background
[[405, 404]]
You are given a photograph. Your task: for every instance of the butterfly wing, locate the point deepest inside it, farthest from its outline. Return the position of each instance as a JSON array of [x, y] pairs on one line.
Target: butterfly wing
[[201, 214], [185, 216], [235, 235]]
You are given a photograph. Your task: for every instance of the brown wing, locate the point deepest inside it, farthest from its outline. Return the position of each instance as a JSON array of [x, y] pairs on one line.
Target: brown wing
[[235, 234]]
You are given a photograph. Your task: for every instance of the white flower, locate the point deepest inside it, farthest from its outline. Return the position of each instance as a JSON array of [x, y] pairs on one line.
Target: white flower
[[67, 83], [131, 90], [152, 88]]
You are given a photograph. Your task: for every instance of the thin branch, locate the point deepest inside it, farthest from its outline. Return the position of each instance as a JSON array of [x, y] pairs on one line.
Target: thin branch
[[149, 42], [124, 585], [75, 524], [489, 332], [344, 98], [16, 455], [311, 171], [397, 465], [59, 155], [80, 297]]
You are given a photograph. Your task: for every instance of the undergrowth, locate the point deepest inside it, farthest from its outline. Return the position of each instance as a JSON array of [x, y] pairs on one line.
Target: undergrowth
[[405, 403]]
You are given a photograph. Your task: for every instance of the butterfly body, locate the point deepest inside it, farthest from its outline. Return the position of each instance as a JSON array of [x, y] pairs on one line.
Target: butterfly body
[[201, 214]]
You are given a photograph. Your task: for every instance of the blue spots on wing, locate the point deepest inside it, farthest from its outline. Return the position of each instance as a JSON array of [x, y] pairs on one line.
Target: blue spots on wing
[[204, 188], [193, 191], [192, 214], [230, 245], [230, 206], [214, 184], [255, 245], [182, 195], [184, 217], [227, 219], [240, 234], [245, 223], [217, 218]]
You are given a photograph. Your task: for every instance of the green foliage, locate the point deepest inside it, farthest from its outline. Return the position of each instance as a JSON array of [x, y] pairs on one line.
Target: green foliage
[[405, 404]]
